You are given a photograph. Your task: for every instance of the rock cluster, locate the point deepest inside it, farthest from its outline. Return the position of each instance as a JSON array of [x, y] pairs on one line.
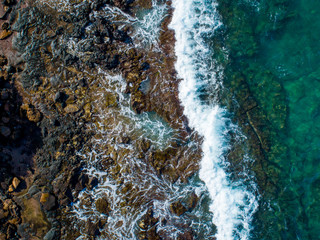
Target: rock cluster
[[49, 91]]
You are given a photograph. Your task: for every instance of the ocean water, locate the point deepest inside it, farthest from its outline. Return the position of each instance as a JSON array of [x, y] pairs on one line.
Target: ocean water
[[274, 48]]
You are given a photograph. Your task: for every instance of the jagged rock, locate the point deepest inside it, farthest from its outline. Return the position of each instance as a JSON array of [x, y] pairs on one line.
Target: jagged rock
[[192, 201], [48, 201], [92, 229], [15, 182], [102, 206], [33, 114], [93, 181], [177, 208], [5, 34]]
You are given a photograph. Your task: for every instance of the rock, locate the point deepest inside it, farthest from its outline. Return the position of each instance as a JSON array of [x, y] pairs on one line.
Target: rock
[[5, 34], [188, 235], [71, 108], [4, 94], [15, 182], [5, 131], [9, 2], [192, 201], [33, 114], [51, 235], [61, 97], [33, 190], [93, 181], [5, 26], [111, 99], [44, 197], [48, 201], [102, 206], [3, 60], [177, 208], [92, 229], [11, 189], [3, 214], [142, 225]]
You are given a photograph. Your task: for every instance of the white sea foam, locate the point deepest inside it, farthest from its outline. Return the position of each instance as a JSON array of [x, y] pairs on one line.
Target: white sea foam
[[233, 205]]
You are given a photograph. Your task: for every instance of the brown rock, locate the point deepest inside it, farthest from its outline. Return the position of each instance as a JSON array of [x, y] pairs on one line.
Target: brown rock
[[177, 208], [11, 189], [44, 197], [71, 108], [192, 201], [3, 214], [50, 202], [33, 115], [15, 182], [92, 229], [5, 34], [102, 206]]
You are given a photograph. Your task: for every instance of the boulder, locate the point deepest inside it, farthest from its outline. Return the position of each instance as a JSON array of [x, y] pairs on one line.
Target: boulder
[[102, 206]]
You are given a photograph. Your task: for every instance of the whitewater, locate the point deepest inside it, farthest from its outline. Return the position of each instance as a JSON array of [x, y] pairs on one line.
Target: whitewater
[[233, 205]]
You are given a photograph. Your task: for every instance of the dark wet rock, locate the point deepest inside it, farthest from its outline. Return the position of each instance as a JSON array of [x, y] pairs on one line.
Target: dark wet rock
[[187, 235], [60, 97], [48, 201], [93, 182], [5, 131], [5, 94], [3, 60], [112, 62], [102, 206], [5, 26], [92, 229], [9, 2], [177, 208], [192, 201]]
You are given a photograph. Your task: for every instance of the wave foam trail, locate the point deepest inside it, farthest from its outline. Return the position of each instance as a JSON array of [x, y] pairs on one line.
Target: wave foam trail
[[233, 205]]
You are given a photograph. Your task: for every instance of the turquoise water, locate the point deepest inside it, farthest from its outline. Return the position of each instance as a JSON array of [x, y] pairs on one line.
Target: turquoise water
[[274, 47]]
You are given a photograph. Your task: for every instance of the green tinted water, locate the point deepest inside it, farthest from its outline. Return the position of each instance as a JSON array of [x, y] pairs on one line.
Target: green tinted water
[[274, 46]]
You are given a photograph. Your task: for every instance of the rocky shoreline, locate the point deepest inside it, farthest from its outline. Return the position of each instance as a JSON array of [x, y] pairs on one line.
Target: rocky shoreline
[[49, 113]]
